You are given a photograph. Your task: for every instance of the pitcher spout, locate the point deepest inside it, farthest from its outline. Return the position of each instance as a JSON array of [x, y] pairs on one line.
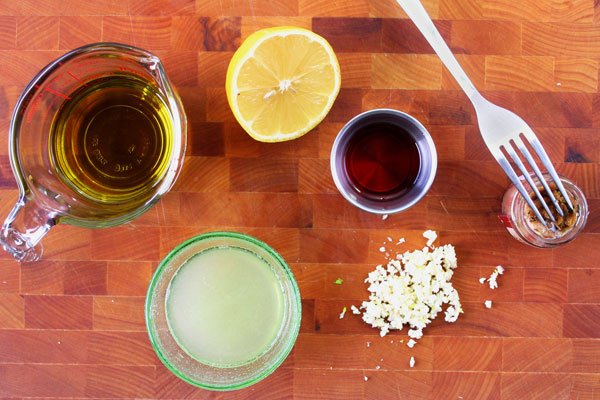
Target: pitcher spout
[[24, 228]]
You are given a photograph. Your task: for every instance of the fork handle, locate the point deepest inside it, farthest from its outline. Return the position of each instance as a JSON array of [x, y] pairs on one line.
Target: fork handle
[[414, 9]]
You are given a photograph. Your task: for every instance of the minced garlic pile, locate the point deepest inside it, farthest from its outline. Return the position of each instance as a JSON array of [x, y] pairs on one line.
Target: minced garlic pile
[[411, 290]]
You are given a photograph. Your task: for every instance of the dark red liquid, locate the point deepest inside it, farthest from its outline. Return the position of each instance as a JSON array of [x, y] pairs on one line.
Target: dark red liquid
[[382, 159]]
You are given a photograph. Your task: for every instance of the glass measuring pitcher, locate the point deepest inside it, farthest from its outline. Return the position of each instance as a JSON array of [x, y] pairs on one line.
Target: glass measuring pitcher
[[96, 138]]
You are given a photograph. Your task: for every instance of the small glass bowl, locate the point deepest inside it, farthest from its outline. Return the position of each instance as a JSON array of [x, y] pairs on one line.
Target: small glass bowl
[[191, 370], [514, 215]]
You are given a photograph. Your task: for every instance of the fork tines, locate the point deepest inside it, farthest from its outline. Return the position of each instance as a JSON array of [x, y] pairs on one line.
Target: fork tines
[[517, 145]]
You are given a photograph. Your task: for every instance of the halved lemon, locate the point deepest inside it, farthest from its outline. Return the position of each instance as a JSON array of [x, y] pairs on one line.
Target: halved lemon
[[282, 82]]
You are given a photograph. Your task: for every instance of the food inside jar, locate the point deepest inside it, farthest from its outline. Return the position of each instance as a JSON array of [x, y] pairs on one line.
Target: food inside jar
[[563, 223]]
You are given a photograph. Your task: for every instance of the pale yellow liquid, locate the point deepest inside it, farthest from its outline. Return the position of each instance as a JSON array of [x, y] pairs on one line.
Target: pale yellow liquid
[[224, 306]]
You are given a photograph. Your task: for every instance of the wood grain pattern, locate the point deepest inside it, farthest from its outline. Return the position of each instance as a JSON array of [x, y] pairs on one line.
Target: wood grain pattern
[[466, 384], [537, 386], [8, 34], [119, 348], [585, 356], [583, 286], [31, 380], [171, 7], [152, 32], [68, 243], [58, 312], [119, 313], [44, 346], [486, 37], [412, 41], [529, 10], [560, 39], [515, 73], [357, 8], [239, 8], [575, 74], [12, 311], [349, 384], [581, 320], [105, 241], [45, 277], [75, 31], [37, 33], [119, 381], [406, 71], [537, 355], [128, 278], [72, 326], [399, 384], [485, 354]]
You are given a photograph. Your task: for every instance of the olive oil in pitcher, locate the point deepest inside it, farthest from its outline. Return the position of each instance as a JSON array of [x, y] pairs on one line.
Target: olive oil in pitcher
[[96, 139], [112, 139]]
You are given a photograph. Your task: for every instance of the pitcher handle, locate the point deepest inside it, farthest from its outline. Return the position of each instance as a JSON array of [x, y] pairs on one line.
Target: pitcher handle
[[25, 226]]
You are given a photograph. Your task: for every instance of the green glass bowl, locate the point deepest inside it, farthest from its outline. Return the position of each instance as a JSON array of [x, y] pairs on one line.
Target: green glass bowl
[[191, 370]]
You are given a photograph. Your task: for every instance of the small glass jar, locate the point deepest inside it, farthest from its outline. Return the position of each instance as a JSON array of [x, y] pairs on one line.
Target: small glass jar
[[522, 225]]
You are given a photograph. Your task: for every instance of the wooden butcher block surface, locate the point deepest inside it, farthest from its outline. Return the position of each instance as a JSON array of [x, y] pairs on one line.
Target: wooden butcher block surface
[[72, 325]]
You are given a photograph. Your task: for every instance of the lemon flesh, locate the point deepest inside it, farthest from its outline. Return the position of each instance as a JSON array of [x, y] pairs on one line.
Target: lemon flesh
[[282, 82]]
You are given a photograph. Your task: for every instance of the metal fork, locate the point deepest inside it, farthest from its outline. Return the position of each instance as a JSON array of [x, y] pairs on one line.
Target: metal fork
[[502, 130]]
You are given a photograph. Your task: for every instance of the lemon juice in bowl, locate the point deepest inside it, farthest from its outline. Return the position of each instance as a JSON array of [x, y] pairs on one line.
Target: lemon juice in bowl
[[224, 306], [223, 310]]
